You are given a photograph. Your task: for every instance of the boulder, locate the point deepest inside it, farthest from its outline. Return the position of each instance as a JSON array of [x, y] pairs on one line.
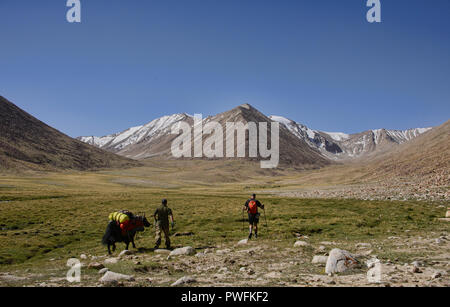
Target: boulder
[[182, 251], [111, 277], [319, 259], [340, 261], [103, 271], [183, 280]]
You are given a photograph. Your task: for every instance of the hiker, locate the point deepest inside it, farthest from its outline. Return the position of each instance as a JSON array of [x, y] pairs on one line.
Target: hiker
[[161, 216], [251, 206]]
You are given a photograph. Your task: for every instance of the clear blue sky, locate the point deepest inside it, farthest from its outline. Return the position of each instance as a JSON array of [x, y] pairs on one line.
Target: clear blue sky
[[318, 62]]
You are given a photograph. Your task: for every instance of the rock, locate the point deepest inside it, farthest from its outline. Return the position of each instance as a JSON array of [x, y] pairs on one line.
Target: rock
[[415, 270], [447, 215], [321, 248], [125, 253], [327, 243], [436, 275], [162, 251], [320, 259], [183, 280], [243, 242], [111, 278], [96, 266], [111, 261], [182, 251], [340, 261], [438, 241], [417, 264], [301, 244], [103, 271], [83, 256]]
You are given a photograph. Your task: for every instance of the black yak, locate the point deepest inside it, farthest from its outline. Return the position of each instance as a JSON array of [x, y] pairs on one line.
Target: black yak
[[115, 234]]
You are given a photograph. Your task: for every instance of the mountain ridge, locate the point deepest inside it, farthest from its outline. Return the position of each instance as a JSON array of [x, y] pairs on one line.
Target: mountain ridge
[[336, 146], [28, 143]]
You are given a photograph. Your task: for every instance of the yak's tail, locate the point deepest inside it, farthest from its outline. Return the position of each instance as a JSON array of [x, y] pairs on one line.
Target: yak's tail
[[108, 234]]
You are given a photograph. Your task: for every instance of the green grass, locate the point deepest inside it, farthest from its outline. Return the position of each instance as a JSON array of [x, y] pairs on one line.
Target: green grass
[[47, 221]]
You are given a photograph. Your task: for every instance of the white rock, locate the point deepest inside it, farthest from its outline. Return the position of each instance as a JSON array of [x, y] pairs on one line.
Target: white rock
[[111, 277], [83, 256], [319, 259], [162, 251], [340, 261], [300, 244], [103, 271], [321, 248], [125, 253], [182, 251], [183, 280], [243, 242]]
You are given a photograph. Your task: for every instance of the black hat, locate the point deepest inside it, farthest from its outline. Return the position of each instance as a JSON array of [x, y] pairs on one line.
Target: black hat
[[254, 195], [164, 201]]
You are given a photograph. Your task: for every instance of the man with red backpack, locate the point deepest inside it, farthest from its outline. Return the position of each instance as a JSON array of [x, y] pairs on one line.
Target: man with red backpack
[[251, 206]]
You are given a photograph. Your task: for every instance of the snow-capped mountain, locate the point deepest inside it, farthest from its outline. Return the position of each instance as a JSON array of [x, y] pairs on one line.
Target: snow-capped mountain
[[155, 138], [338, 145], [298, 143], [148, 138]]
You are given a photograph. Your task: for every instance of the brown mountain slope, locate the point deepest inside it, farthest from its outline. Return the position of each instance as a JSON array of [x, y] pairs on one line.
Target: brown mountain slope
[[427, 157], [28, 143], [156, 142], [293, 151]]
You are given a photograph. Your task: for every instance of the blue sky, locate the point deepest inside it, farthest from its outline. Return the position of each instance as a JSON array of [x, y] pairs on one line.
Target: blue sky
[[317, 62]]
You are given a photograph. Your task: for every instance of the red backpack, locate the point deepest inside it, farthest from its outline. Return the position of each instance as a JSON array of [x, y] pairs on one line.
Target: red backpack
[[252, 207]]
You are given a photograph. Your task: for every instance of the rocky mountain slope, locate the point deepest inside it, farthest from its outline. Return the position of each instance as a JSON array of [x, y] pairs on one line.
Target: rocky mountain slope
[[28, 143], [340, 146], [155, 138]]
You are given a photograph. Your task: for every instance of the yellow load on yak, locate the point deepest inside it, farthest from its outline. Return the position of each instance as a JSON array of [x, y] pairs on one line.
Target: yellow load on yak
[[119, 217]]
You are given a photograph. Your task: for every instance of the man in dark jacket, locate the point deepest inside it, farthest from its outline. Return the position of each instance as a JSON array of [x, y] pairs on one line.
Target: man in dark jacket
[[161, 215], [251, 206]]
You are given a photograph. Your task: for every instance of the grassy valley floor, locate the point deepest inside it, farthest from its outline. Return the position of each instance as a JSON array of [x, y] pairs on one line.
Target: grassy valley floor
[[47, 218]]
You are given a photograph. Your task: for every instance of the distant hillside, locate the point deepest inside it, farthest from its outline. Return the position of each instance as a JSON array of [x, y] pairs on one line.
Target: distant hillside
[[342, 146], [28, 143], [427, 157], [155, 138]]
